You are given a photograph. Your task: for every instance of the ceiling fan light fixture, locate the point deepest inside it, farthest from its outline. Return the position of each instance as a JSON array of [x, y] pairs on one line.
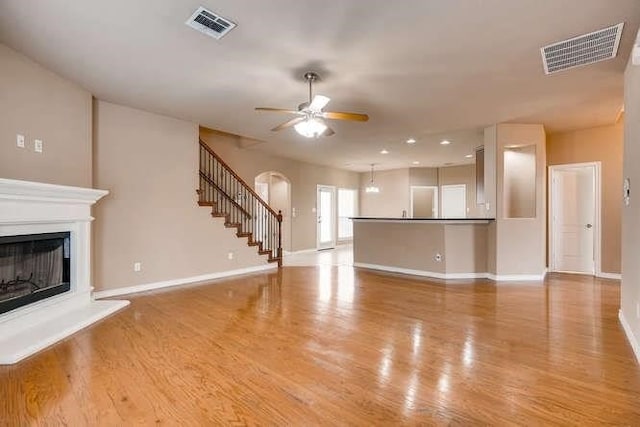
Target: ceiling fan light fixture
[[311, 128]]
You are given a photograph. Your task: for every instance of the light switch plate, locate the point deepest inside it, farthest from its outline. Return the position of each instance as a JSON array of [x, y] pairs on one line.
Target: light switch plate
[[20, 140], [37, 146]]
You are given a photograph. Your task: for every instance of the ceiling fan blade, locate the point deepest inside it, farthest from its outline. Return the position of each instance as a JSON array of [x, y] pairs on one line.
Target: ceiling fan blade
[[290, 123], [345, 116], [319, 102], [277, 110], [328, 132]]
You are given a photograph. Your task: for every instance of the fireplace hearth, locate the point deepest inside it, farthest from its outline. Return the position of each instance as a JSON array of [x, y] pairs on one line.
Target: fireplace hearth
[[45, 266]]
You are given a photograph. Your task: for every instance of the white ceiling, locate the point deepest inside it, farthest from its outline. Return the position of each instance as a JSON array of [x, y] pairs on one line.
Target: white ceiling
[[424, 69]]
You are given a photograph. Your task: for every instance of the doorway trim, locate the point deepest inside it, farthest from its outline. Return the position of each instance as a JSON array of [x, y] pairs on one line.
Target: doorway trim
[[597, 233], [334, 216], [436, 199], [287, 211]]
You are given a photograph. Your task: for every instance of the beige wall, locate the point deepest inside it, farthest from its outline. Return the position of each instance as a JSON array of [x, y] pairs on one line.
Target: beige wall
[[414, 246], [465, 248], [520, 242], [149, 164], [488, 210], [39, 104], [630, 301], [423, 201], [603, 144], [403, 245], [462, 174], [393, 198], [423, 176], [304, 178], [395, 189]]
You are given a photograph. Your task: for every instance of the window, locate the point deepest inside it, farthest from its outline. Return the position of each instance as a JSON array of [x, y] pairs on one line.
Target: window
[[347, 207]]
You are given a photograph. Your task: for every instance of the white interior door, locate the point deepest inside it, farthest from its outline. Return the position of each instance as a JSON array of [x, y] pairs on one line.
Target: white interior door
[[326, 215], [573, 219], [454, 201]]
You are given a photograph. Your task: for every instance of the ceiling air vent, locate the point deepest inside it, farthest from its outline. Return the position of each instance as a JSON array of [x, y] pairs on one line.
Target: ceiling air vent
[[210, 23], [582, 50]]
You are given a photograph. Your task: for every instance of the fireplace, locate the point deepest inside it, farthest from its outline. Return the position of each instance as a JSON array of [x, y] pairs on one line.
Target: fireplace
[[33, 267], [45, 266]]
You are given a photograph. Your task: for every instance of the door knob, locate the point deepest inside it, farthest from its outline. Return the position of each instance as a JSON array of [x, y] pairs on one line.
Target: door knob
[[589, 226]]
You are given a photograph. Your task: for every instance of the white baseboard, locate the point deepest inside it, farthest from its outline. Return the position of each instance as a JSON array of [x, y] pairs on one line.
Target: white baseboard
[[453, 276], [635, 344], [424, 273], [176, 282], [302, 251], [614, 276], [516, 277]]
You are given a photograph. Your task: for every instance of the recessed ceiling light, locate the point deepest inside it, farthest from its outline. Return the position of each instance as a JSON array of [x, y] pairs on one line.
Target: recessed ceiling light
[[469, 156], [411, 141], [416, 162], [445, 142], [384, 152]]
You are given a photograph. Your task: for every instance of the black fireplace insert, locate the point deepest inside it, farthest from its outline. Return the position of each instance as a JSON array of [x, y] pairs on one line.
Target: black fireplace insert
[[33, 267]]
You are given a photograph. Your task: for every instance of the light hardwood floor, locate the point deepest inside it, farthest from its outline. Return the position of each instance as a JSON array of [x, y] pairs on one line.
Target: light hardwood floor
[[336, 346]]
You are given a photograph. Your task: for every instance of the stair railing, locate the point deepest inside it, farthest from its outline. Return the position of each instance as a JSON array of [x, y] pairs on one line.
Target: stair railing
[[242, 207]]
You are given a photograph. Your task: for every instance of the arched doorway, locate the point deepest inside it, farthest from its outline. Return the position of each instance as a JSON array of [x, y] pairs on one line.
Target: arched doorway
[[275, 189]]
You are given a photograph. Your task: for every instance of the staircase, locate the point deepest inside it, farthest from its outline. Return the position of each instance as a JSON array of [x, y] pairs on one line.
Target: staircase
[[234, 200]]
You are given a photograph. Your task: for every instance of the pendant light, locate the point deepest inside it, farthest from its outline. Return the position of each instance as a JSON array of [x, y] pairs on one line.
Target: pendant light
[[372, 188]]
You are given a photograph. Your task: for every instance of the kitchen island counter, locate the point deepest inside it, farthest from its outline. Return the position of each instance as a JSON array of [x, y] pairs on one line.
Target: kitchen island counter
[[443, 248]]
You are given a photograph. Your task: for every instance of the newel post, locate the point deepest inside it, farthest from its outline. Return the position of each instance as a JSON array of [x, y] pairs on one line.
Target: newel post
[[279, 238]]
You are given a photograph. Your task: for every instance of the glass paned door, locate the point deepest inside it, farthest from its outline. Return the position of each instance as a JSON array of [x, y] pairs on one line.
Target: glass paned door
[[326, 214]]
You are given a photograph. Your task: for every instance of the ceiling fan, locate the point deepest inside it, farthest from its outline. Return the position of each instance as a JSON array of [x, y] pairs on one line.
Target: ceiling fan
[[310, 120]]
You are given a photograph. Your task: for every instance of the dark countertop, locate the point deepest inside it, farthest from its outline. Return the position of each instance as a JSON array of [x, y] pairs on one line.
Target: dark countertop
[[375, 218]]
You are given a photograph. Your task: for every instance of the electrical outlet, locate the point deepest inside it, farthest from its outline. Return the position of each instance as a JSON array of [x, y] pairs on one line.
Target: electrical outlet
[[230, 255], [137, 266], [20, 141], [438, 258], [37, 145]]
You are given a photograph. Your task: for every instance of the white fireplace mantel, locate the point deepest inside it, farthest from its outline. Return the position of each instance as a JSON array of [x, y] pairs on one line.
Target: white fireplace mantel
[[33, 208]]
